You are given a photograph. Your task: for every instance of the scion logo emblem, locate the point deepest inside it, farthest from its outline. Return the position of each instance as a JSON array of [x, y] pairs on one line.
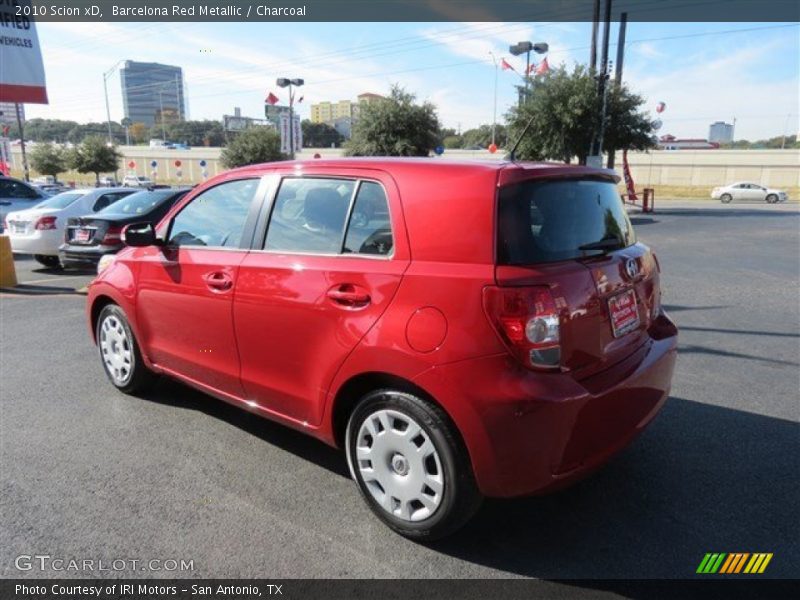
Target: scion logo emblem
[[631, 268]]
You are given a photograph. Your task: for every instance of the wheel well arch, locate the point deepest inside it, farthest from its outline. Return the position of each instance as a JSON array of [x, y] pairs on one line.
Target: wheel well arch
[[348, 395], [97, 306]]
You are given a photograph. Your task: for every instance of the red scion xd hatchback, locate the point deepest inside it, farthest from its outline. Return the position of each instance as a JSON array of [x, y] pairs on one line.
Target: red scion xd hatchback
[[461, 329]]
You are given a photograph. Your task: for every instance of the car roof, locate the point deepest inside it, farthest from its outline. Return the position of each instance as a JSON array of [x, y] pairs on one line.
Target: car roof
[[508, 171]]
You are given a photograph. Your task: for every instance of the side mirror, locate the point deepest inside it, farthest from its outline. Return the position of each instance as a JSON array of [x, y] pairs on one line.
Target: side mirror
[[139, 235]]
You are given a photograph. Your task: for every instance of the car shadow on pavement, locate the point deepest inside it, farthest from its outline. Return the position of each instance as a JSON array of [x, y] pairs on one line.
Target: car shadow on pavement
[[701, 479], [22, 289], [173, 393]]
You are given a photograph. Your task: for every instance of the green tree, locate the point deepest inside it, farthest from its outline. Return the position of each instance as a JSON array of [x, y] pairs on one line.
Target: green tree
[[482, 136], [94, 156], [395, 126], [48, 159], [251, 146], [197, 133], [562, 109], [320, 135]]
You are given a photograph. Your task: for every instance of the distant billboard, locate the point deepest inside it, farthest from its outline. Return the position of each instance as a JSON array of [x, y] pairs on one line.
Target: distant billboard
[[21, 69]]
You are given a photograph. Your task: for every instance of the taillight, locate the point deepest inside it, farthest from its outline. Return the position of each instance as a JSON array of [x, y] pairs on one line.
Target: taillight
[[45, 223], [527, 321], [113, 235]]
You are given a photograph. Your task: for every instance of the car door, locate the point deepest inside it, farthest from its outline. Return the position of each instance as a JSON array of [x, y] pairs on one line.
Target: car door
[[186, 286], [330, 263]]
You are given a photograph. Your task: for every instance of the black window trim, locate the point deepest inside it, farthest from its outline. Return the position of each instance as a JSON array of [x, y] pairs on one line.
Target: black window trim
[[245, 243], [260, 239]]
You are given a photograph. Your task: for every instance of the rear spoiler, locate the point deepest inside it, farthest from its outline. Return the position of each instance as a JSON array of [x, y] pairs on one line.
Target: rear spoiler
[[519, 172]]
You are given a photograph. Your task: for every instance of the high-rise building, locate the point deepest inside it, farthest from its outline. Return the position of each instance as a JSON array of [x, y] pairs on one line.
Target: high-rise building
[[324, 112], [720, 132], [152, 92]]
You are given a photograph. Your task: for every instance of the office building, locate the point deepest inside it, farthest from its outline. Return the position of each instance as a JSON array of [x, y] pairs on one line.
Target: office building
[[720, 132], [152, 92]]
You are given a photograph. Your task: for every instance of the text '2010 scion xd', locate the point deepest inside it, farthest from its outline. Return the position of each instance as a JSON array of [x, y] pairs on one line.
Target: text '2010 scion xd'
[[461, 329]]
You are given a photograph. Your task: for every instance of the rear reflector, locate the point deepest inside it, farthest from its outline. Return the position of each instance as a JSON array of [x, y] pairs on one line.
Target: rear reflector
[[527, 321]]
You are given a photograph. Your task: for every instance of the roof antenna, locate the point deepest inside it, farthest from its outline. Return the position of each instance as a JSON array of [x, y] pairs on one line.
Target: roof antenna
[[512, 155]]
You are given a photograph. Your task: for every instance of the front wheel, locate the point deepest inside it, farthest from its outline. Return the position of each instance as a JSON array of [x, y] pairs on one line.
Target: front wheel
[[726, 198], [772, 199], [51, 262], [410, 465], [119, 352]]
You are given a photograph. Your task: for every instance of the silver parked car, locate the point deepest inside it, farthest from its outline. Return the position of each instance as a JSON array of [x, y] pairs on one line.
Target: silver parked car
[[17, 195], [744, 191]]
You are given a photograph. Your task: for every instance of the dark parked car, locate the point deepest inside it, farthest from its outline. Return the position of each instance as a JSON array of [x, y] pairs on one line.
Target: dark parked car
[[88, 238]]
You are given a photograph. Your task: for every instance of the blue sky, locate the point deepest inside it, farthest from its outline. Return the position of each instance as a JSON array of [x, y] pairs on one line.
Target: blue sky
[[751, 73]]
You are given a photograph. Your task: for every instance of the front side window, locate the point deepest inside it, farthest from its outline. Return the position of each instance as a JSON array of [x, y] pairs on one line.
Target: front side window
[[547, 221], [216, 217]]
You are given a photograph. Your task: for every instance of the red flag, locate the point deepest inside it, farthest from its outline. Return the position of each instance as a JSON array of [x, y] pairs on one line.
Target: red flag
[[271, 99], [505, 66], [531, 68], [543, 67]]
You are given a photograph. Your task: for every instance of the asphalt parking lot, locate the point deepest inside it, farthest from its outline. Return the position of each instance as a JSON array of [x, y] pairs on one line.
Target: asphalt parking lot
[[86, 472]]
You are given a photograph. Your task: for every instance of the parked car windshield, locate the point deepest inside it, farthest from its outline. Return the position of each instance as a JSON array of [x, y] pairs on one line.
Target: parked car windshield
[[138, 203], [61, 200], [547, 221]]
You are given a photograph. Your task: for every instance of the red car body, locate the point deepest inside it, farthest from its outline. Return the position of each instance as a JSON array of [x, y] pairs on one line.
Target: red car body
[[283, 334]]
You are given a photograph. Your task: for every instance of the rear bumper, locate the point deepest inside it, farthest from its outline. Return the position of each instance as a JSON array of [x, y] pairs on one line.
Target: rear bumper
[[529, 433], [90, 255], [39, 242]]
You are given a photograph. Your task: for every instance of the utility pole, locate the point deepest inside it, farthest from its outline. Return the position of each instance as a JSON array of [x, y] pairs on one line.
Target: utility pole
[[494, 113], [595, 24], [106, 75], [161, 114], [623, 25], [26, 172], [601, 82]]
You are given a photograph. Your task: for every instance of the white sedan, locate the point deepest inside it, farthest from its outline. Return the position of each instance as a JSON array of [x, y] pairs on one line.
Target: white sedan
[[744, 191], [40, 230]]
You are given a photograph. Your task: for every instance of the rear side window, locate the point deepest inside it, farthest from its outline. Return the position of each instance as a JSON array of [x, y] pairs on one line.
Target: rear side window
[[107, 200], [369, 230], [547, 221], [61, 200]]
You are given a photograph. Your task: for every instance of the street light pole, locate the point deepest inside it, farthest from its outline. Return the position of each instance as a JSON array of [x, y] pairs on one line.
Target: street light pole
[[286, 82], [161, 114], [106, 75]]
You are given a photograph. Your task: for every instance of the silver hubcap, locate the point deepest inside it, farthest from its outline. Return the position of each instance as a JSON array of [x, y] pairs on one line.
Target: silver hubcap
[[399, 465], [116, 349]]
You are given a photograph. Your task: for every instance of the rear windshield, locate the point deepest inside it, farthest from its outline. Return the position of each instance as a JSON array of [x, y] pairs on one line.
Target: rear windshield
[[61, 200], [548, 221], [140, 202]]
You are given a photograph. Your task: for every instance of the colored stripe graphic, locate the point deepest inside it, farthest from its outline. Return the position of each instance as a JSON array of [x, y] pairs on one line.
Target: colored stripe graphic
[[734, 562]]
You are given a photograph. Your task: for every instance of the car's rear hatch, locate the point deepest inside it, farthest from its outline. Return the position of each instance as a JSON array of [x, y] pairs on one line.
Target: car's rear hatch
[[574, 237]]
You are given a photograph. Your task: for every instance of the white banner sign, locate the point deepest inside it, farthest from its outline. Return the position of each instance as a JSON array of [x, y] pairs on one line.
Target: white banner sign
[[297, 133], [21, 68]]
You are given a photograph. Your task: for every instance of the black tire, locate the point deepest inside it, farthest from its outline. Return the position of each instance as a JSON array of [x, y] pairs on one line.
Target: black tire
[[772, 199], [726, 198], [460, 498], [51, 262], [139, 378]]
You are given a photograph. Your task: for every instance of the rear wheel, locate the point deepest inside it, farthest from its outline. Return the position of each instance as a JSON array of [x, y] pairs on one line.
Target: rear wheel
[[772, 198], [410, 465], [726, 198], [51, 262], [119, 352]]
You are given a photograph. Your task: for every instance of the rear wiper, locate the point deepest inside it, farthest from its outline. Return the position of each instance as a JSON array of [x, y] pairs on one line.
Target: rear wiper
[[607, 244]]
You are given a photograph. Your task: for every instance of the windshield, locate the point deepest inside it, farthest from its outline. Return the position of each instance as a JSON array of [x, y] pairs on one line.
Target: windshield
[[547, 221], [61, 200], [138, 203]]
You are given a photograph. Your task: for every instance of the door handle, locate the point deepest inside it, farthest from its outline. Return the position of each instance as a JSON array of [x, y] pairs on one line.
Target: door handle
[[218, 281], [348, 295]]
